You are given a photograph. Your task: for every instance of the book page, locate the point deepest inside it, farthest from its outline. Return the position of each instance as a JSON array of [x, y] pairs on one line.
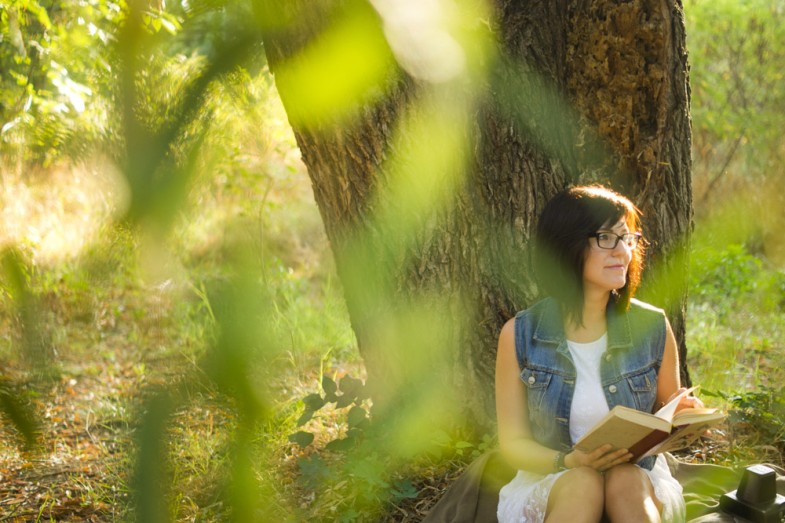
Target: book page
[[669, 410], [697, 415]]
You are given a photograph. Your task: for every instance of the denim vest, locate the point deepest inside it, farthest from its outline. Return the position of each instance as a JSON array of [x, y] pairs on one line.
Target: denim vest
[[628, 369]]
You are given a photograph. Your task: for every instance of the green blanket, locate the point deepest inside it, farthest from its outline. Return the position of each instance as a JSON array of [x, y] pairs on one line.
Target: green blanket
[[474, 495]]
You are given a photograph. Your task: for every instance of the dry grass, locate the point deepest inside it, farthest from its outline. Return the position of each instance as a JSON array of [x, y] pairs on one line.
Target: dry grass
[[120, 314], [56, 214]]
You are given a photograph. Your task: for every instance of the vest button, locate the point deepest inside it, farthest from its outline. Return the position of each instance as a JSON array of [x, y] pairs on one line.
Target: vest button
[[531, 380], [607, 357], [612, 389]]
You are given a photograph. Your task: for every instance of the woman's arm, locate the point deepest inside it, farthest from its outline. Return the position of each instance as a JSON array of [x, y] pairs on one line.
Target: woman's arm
[[512, 413], [515, 438], [668, 379]]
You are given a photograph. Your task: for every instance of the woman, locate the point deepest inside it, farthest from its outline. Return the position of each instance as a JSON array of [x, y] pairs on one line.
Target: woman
[[563, 363]]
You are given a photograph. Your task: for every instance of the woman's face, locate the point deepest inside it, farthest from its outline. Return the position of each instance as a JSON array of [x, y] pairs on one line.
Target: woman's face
[[605, 270]]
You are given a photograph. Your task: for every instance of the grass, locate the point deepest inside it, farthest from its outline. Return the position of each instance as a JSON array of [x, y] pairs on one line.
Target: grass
[[110, 326], [735, 335], [123, 315], [110, 323]]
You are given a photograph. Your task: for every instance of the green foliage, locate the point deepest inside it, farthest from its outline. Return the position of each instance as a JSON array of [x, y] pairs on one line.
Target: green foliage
[[733, 277], [448, 447], [18, 276], [357, 476], [730, 273], [737, 286], [738, 104], [16, 408], [57, 75], [735, 333], [353, 479], [737, 83], [357, 486], [759, 414]]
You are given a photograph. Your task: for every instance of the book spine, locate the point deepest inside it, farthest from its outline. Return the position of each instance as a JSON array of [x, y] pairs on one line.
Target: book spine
[[653, 438]]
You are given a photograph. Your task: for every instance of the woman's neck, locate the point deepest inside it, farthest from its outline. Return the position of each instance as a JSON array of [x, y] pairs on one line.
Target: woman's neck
[[594, 323]]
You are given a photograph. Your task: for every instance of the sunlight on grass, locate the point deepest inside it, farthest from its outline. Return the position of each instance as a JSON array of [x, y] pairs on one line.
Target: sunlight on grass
[[117, 295], [58, 214]]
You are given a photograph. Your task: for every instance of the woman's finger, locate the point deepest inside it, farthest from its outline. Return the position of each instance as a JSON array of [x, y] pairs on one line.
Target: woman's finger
[[681, 389], [609, 459], [600, 452]]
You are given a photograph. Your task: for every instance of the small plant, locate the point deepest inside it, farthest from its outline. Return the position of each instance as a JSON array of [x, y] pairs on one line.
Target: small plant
[[353, 480], [347, 392], [759, 414], [447, 447], [359, 476]]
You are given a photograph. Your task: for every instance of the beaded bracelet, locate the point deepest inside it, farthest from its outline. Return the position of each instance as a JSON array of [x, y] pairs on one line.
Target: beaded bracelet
[[558, 461]]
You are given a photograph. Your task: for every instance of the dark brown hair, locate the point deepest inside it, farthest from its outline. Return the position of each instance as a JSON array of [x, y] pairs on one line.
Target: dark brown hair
[[562, 238]]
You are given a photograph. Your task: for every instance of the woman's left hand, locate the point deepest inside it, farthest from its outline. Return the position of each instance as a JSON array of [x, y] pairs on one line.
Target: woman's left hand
[[687, 402]]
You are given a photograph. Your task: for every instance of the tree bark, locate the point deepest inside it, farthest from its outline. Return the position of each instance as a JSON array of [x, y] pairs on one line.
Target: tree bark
[[581, 92]]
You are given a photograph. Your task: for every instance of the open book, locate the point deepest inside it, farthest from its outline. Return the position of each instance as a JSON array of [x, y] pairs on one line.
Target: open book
[[645, 434]]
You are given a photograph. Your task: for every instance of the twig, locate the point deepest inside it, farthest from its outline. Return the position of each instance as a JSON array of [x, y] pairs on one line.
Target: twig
[[42, 475], [13, 512], [721, 172], [22, 515]]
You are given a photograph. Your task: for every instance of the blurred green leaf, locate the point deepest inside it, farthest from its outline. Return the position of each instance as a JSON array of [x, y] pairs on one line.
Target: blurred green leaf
[[302, 438], [305, 418], [346, 65], [149, 483], [404, 489], [20, 414], [371, 470], [340, 445], [344, 400], [15, 276], [313, 402], [356, 416], [329, 386], [350, 386], [313, 470]]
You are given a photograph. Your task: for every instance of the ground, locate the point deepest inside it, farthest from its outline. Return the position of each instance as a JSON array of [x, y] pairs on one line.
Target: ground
[[82, 446]]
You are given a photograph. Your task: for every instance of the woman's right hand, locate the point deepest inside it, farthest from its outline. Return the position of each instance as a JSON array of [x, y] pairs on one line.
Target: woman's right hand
[[600, 459]]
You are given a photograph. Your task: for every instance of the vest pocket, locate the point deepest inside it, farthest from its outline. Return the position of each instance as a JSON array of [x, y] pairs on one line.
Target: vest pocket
[[643, 386], [537, 382]]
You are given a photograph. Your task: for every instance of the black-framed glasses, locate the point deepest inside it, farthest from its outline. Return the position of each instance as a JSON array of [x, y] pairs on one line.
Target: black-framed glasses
[[609, 240]]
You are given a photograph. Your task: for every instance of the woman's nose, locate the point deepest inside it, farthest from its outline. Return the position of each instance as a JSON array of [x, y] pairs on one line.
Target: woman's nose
[[621, 245]]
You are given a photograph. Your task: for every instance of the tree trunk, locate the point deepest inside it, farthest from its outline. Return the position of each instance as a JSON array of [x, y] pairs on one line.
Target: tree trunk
[[579, 92]]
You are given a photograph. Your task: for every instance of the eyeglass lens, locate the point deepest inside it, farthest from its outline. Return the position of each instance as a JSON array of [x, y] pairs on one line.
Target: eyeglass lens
[[610, 240]]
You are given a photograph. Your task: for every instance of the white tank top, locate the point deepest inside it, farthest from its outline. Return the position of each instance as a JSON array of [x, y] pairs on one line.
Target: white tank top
[[588, 403]]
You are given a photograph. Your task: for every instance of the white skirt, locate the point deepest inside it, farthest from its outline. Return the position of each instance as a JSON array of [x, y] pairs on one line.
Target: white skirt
[[525, 498]]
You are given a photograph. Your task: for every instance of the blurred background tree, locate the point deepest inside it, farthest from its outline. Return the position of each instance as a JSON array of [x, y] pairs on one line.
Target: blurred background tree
[[737, 83], [55, 94]]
